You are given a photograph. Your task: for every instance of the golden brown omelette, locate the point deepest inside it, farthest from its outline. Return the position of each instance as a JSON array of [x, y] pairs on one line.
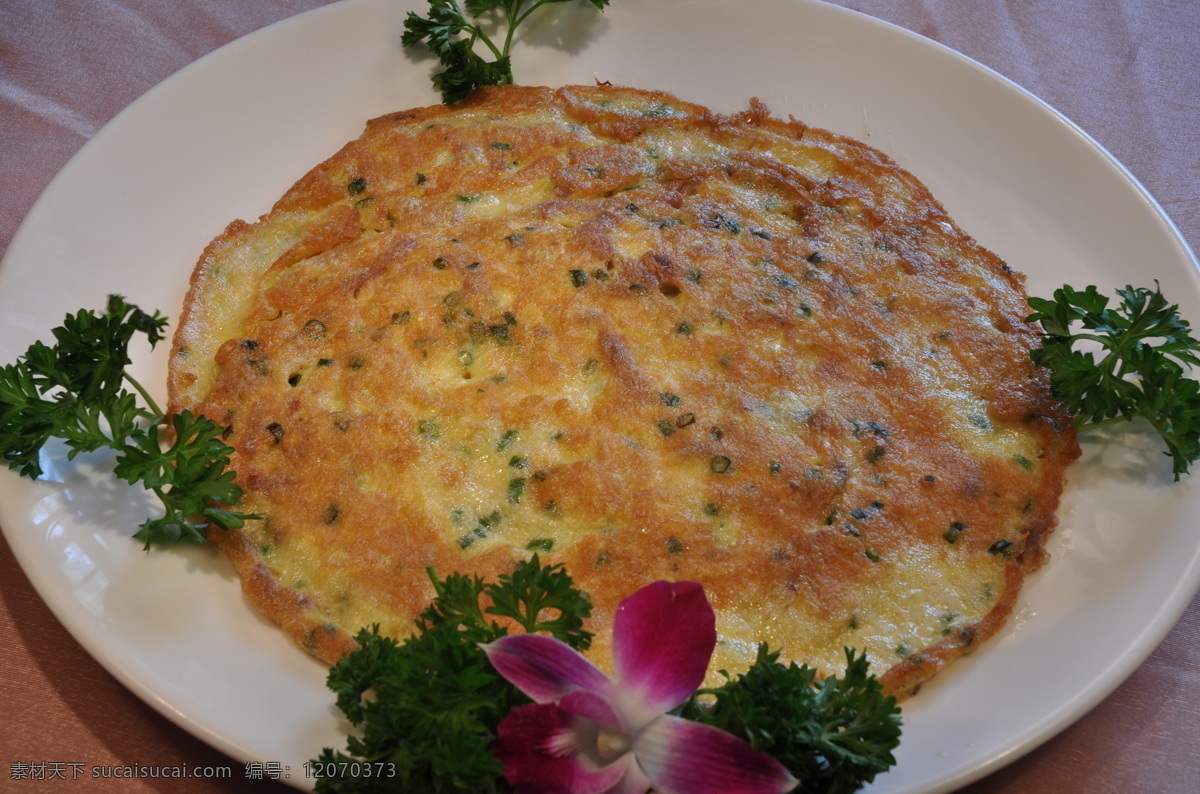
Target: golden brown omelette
[[645, 340]]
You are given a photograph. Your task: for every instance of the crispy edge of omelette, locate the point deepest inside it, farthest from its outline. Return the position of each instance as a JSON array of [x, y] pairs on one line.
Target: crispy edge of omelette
[[313, 217]]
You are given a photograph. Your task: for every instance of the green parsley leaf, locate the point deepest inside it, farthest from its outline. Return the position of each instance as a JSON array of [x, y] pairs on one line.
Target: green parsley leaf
[[543, 600], [835, 734], [429, 707], [451, 31], [70, 390], [427, 710], [189, 477], [1123, 363], [75, 391]]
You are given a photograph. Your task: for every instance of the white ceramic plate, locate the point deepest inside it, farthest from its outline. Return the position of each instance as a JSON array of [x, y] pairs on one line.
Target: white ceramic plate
[[226, 136]]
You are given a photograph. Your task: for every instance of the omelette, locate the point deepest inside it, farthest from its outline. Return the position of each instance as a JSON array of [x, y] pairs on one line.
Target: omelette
[[642, 339]]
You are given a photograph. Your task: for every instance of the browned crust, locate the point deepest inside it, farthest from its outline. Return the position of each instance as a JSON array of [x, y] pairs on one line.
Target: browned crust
[[295, 612], [906, 677], [868, 184]]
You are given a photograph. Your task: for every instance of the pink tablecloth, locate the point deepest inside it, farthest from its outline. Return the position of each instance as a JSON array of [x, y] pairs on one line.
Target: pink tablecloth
[[1126, 71]]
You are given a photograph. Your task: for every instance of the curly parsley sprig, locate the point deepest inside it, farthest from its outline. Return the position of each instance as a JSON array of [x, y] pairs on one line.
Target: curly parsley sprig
[[834, 734], [1135, 367], [429, 707], [75, 391], [451, 32]]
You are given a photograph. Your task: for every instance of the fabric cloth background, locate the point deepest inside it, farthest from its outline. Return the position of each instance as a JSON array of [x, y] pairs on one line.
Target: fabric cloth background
[[1126, 71]]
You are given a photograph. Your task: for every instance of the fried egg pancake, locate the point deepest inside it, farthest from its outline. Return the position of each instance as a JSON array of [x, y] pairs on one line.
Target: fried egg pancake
[[645, 340]]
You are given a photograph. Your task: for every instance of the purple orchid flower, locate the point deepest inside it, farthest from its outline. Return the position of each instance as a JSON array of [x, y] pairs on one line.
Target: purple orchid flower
[[588, 734]]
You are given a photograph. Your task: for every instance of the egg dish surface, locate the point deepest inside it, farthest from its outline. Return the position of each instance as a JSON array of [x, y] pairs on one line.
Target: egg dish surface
[[642, 339]]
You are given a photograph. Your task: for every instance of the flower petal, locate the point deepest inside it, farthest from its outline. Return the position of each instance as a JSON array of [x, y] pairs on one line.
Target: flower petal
[[538, 745], [684, 757], [663, 638], [592, 706], [634, 782], [544, 668]]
